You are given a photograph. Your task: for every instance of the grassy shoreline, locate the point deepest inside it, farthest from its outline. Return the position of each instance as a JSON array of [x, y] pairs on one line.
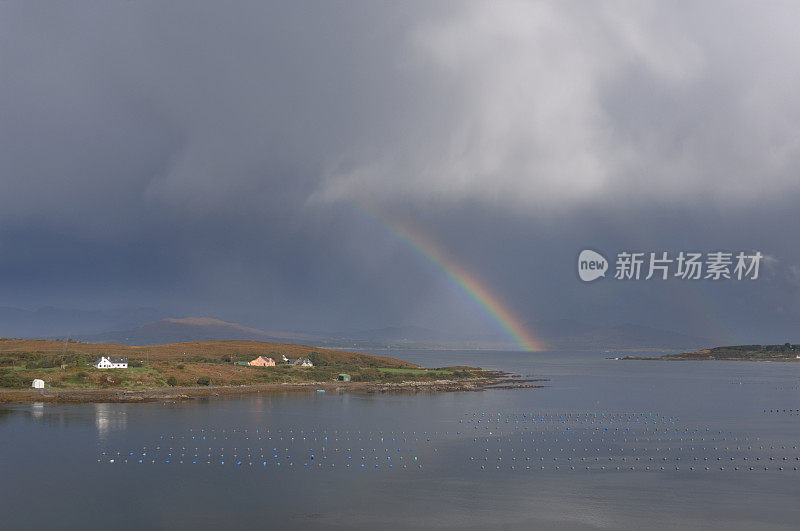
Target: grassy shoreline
[[208, 368], [783, 353], [489, 380]]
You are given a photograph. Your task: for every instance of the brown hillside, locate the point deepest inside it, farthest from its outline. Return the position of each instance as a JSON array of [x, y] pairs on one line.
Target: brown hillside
[[195, 349]]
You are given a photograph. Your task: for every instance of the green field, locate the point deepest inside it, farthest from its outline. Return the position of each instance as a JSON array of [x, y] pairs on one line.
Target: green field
[[785, 352], [209, 363]]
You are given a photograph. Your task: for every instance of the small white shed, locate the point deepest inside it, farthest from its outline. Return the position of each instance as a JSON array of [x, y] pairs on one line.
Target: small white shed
[[38, 384]]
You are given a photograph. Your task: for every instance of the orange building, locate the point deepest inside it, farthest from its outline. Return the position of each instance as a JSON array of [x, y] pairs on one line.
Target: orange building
[[261, 361]]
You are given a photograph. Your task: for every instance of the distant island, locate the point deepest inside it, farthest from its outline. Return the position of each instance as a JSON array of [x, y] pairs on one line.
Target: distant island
[[73, 371], [785, 352]]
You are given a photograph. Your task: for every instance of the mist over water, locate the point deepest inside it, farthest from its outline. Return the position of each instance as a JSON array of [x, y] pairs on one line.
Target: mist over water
[[619, 444]]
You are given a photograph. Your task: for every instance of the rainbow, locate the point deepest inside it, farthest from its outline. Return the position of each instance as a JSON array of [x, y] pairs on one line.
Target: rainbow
[[468, 283]]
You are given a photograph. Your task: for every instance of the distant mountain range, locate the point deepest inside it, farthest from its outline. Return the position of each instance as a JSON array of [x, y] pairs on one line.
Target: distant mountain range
[[192, 329], [51, 322], [125, 326], [557, 334], [209, 329]]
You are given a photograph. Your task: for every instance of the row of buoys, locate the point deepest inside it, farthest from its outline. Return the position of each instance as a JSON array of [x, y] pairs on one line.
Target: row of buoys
[[596, 427], [536, 446], [587, 421], [568, 420], [577, 440], [637, 429], [726, 458], [626, 433], [630, 450], [649, 468], [566, 414], [274, 451], [300, 435], [317, 439], [222, 449], [601, 441], [264, 464], [301, 431], [275, 458]]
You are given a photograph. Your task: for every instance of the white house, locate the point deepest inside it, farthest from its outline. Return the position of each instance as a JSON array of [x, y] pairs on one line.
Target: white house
[[111, 363], [38, 384], [303, 362]]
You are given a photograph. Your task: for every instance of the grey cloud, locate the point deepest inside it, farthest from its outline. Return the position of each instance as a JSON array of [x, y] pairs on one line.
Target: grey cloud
[[559, 104], [208, 158]]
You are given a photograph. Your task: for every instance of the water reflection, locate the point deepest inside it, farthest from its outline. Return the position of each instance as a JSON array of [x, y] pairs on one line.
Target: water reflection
[[108, 418]]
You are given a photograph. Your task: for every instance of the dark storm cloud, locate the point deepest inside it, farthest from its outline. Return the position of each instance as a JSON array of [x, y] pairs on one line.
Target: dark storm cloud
[[206, 158]]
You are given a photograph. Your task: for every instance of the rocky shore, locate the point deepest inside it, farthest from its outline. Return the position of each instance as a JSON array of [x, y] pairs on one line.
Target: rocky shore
[[168, 394]]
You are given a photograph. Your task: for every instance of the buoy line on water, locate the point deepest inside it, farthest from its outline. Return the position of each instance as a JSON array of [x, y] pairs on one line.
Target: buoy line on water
[[563, 442]]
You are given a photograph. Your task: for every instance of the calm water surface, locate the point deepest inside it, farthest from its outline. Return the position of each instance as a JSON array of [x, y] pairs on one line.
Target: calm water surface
[[609, 444]]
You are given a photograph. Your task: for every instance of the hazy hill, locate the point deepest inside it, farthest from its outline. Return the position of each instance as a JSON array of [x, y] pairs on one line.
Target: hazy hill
[[194, 349], [192, 329], [55, 322], [209, 329]]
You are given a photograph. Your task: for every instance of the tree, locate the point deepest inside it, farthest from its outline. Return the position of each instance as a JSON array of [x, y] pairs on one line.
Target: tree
[[317, 360]]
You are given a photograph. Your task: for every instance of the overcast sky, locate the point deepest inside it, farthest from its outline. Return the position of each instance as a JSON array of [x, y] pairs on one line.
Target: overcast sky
[[218, 159]]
